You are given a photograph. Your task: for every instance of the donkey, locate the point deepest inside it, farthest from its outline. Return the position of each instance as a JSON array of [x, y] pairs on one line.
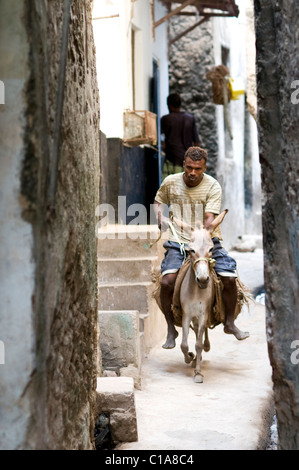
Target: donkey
[[197, 293]]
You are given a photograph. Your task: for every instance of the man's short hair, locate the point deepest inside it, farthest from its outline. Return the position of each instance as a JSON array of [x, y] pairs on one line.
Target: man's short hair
[[196, 153], [174, 100]]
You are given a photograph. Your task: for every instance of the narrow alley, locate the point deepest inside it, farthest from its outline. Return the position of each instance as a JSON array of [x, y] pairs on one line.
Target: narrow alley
[[232, 409], [84, 93]]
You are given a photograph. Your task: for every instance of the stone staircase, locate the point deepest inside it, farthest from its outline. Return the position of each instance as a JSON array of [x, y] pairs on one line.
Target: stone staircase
[[130, 322]]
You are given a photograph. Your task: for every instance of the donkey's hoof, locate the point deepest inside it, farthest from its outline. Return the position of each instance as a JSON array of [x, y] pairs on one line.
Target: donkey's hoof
[[198, 378], [189, 358]]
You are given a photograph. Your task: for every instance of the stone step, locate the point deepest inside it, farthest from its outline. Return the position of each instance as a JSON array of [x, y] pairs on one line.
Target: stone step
[[125, 262], [111, 270], [115, 396], [126, 296], [129, 241], [136, 296], [119, 339]]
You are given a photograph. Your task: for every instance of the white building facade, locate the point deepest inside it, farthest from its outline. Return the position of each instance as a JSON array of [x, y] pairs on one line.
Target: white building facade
[[131, 48], [127, 46]]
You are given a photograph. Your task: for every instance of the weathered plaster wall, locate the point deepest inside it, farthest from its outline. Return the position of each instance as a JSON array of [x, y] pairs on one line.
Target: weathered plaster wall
[[126, 66], [17, 266], [229, 33], [278, 113], [191, 58], [47, 238], [252, 170]]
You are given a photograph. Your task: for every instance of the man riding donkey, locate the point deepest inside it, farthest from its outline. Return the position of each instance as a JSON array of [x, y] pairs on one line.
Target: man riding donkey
[[193, 195]]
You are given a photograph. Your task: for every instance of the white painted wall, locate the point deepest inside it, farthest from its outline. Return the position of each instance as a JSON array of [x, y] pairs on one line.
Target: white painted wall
[[112, 63], [231, 33], [113, 40], [253, 221], [17, 267], [141, 22], [160, 53]]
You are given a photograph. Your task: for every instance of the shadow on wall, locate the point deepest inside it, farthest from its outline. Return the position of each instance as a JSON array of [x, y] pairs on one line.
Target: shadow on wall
[[128, 177]]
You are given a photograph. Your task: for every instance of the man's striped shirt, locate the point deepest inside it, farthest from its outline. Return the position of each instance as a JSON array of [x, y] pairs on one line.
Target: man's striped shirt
[[190, 204]]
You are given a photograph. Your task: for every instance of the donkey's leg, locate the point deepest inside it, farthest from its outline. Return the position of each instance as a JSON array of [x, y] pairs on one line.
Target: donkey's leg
[[198, 377], [184, 344], [195, 328], [206, 344]]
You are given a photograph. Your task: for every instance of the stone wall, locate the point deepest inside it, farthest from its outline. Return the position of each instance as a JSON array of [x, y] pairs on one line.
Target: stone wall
[[278, 114], [191, 58], [50, 187]]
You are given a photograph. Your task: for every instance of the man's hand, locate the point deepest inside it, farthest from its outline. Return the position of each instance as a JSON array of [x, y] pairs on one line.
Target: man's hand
[[163, 222]]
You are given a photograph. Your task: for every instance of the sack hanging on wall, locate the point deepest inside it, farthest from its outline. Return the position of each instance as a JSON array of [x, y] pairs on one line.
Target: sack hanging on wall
[[220, 84]]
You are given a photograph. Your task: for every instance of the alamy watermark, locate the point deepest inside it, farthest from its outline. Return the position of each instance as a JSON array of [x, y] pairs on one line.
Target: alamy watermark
[[295, 94], [2, 353], [139, 219], [2, 92], [295, 354]]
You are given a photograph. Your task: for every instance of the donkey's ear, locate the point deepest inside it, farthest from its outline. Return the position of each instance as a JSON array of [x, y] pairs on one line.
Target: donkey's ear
[[217, 221], [183, 225]]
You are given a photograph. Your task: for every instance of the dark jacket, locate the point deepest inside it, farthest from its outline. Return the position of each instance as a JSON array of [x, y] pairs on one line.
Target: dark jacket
[[180, 133]]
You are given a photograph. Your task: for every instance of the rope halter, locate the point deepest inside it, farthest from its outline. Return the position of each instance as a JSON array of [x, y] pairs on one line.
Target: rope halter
[[211, 261]]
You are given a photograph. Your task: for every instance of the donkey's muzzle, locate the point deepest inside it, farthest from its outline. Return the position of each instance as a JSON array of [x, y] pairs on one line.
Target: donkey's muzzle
[[203, 283]]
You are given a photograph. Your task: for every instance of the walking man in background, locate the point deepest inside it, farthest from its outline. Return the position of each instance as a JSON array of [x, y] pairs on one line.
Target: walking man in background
[[180, 133]]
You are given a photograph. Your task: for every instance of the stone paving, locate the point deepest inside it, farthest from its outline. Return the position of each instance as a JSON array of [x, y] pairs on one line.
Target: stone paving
[[232, 409]]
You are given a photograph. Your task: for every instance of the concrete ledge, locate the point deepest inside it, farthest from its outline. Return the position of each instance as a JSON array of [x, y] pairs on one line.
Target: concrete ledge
[[130, 241], [127, 240], [125, 296], [115, 396], [111, 270], [119, 338]]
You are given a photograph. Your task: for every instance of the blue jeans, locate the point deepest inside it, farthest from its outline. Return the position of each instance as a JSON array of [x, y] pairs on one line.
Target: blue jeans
[[174, 258]]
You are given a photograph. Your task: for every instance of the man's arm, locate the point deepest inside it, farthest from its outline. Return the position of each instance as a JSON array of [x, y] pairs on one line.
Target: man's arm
[[213, 205], [161, 219]]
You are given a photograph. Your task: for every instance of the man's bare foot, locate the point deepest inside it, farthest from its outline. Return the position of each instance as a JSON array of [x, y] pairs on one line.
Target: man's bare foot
[[233, 330], [170, 340]]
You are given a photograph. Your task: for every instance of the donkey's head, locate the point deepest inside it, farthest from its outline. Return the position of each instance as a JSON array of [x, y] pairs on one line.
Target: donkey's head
[[201, 248]]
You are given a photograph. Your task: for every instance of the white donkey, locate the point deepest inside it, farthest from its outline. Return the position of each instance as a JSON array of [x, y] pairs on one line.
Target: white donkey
[[197, 293]]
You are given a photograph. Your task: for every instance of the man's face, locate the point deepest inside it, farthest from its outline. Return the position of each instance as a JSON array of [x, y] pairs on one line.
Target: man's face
[[194, 171]]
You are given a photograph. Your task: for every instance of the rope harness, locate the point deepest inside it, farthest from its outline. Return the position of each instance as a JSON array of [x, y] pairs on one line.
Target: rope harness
[[182, 246], [211, 261]]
